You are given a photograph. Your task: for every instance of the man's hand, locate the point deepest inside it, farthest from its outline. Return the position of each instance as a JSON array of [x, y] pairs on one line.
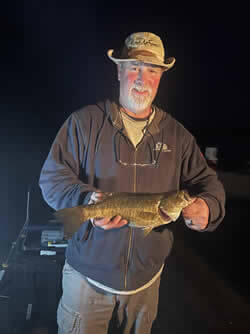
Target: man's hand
[[106, 223], [196, 215]]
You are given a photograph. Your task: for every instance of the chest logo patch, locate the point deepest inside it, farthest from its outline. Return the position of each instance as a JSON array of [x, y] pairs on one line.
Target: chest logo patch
[[165, 147]]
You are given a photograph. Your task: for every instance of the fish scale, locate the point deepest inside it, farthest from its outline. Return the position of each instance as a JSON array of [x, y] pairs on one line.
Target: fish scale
[[144, 211], [131, 207]]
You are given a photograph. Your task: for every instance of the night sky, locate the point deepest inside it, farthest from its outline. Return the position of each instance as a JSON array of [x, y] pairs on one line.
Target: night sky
[[53, 61]]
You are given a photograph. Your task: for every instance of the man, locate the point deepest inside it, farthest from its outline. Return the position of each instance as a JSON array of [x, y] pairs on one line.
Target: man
[[125, 146]]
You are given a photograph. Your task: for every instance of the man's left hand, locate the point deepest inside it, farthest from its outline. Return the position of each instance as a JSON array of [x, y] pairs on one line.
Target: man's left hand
[[196, 215]]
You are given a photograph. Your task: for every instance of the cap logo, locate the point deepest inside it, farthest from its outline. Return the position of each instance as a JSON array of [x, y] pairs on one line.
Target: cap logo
[[134, 43]]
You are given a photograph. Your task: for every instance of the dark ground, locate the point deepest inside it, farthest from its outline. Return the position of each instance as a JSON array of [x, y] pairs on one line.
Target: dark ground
[[196, 299]]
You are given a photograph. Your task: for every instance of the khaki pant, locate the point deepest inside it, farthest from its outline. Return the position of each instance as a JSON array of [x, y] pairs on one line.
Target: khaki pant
[[84, 309]]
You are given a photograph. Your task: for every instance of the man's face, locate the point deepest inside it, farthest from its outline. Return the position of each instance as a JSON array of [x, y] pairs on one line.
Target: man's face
[[138, 85]]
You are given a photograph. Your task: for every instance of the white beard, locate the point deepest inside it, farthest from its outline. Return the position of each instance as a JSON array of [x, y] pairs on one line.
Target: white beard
[[136, 102]]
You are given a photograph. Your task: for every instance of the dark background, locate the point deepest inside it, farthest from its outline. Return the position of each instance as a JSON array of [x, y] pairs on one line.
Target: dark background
[[53, 61]]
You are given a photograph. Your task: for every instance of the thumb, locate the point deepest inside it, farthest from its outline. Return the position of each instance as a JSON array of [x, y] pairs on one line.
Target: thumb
[[193, 200]]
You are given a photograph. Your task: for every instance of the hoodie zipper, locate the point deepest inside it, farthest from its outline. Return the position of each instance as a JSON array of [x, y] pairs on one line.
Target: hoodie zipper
[[128, 256], [135, 172], [130, 233]]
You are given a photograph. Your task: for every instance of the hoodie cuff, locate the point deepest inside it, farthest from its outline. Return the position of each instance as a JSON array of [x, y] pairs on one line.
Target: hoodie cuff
[[87, 198], [214, 213], [213, 209]]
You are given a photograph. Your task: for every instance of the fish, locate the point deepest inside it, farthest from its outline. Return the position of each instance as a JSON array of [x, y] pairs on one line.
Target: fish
[[141, 210]]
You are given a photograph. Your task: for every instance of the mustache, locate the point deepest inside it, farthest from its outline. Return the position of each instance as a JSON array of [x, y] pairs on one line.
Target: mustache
[[141, 88]]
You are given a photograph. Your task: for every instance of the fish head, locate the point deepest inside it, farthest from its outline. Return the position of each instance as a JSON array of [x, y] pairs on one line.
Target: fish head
[[172, 204]]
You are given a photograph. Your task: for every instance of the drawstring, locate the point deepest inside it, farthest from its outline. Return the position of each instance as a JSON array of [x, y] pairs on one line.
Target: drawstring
[[156, 158], [117, 152]]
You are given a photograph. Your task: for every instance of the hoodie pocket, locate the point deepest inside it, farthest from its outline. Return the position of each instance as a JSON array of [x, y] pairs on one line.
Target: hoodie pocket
[[151, 251]]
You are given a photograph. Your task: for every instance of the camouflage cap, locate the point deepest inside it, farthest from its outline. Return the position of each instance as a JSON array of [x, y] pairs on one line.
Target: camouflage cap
[[146, 47]]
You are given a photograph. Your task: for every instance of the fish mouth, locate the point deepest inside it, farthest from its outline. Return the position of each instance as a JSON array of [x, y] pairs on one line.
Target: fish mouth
[[164, 215]]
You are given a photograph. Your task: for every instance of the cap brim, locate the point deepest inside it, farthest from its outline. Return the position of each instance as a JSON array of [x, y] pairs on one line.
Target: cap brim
[[148, 60]]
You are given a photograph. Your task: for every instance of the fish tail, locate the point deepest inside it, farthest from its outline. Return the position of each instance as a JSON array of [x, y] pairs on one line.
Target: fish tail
[[69, 214], [72, 218]]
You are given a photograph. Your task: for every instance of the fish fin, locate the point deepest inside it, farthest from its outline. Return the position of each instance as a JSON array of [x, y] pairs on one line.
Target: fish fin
[[147, 230], [71, 218]]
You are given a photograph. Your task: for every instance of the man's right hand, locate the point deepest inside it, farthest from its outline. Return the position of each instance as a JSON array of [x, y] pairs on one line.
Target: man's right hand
[[96, 197], [106, 223]]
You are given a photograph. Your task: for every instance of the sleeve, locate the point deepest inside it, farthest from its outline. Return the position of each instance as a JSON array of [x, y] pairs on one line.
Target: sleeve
[[201, 181], [59, 179]]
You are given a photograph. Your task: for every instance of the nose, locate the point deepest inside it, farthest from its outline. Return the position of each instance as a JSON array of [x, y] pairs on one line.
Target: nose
[[140, 77]]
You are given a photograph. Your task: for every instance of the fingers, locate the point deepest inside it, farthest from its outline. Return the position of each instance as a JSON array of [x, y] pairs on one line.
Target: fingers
[[197, 223], [197, 208], [196, 215], [97, 196], [190, 206], [107, 223]]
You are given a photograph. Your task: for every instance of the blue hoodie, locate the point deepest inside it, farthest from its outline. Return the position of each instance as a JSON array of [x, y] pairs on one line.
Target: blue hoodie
[[88, 154]]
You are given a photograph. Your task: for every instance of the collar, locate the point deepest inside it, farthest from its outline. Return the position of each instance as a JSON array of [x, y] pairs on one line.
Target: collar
[[154, 126]]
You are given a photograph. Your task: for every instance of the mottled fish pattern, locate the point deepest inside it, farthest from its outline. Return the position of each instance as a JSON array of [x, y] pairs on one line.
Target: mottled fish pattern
[[142, 210]]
